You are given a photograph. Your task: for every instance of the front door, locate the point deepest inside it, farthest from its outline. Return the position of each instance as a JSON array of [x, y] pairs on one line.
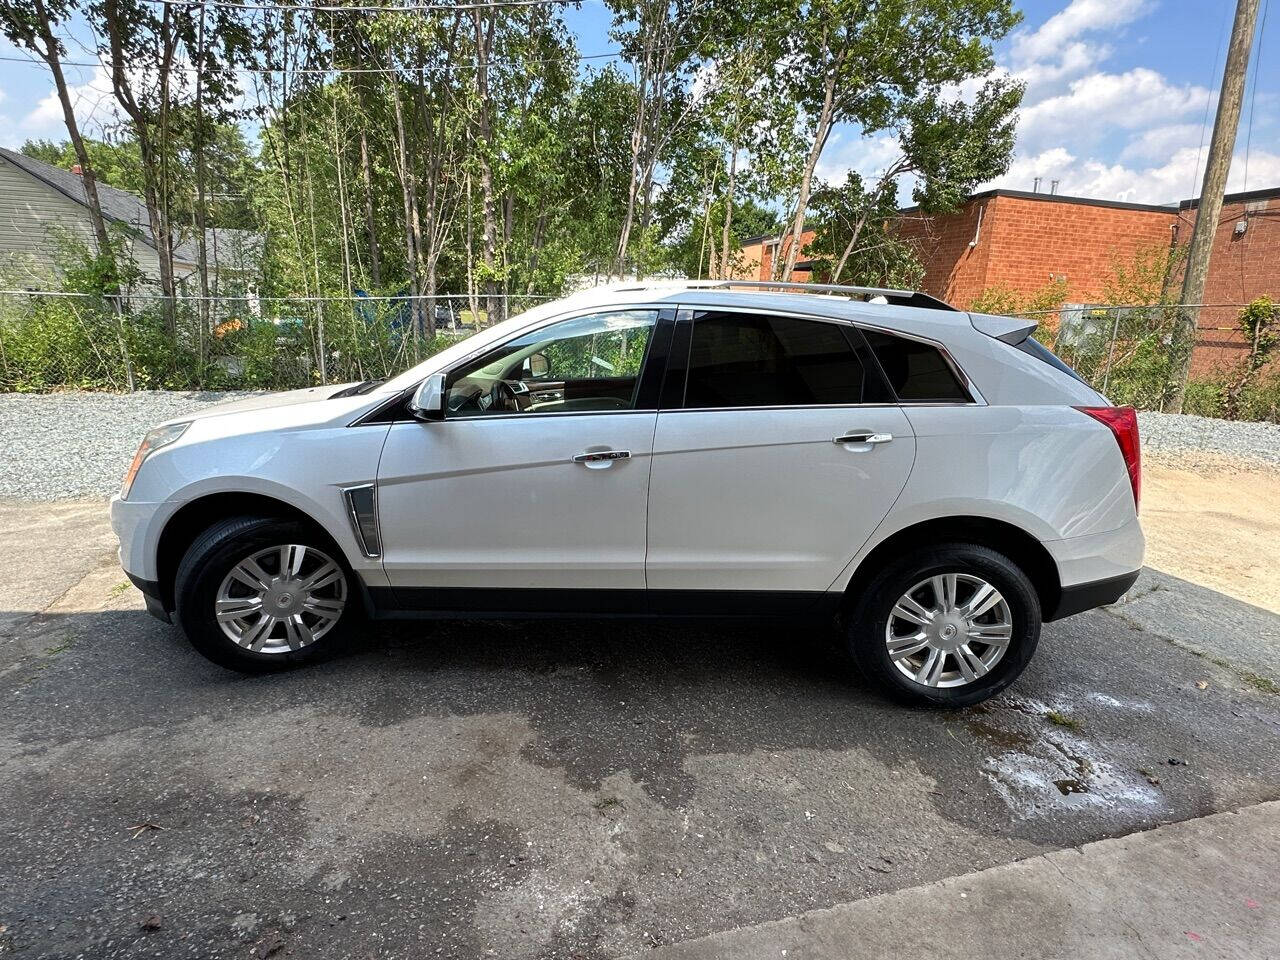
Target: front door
[[537, 478], [785, 453]]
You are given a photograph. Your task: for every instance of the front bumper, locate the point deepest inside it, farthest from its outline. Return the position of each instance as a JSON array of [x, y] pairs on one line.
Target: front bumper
[[152, 595], [133, 524]]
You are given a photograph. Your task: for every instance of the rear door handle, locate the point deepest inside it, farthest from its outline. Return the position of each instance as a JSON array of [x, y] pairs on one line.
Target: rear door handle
[[602, 456], [863, 438]]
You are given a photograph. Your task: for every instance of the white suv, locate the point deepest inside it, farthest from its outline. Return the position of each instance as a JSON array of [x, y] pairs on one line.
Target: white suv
[[936, 480]]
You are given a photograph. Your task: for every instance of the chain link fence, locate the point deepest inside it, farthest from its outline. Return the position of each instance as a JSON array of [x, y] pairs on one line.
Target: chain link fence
[[57, 341], [52, 341], [1133, 354]]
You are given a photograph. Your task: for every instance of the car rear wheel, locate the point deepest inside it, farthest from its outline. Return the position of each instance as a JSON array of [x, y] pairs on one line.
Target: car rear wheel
[[949, 625], [258, 594]]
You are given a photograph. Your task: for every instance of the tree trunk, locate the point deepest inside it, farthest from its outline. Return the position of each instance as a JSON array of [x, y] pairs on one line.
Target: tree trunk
[[370, 223], [50, 55], [484, 27], [725, 243], [422, 324], [821, 132], [154, 183]]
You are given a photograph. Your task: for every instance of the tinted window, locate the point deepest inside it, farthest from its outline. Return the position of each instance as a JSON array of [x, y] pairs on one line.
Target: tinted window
[[1038, 350], [753, 360], [916, 371]]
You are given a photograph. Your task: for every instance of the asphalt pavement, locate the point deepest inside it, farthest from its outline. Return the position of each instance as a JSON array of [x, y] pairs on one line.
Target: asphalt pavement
[[560, 788]]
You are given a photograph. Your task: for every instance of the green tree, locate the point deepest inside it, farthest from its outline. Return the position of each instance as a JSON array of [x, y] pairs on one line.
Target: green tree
[[870, 64]]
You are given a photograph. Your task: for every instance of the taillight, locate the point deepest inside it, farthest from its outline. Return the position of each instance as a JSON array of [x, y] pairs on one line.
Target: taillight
[[1123, 422]]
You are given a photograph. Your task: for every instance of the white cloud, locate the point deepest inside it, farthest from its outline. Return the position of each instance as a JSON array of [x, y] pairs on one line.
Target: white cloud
[[846, 151], [1131, 135], [1175, 179], [1077, 18], [93, 102], [1159, 143], [1104, 102]]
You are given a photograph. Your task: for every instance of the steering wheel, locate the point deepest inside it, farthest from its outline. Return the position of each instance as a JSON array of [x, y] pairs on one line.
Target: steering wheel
[[504, 397]]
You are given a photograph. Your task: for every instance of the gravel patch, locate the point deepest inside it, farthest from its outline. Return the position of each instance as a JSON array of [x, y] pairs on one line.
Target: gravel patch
[[68, 446], [1190, 441]]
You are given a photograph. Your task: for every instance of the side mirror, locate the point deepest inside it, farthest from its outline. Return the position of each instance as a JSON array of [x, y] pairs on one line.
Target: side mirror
[[539, 365], [428, 399]]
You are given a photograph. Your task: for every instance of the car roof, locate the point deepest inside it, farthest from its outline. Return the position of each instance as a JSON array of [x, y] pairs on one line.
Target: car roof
[[932, 322]]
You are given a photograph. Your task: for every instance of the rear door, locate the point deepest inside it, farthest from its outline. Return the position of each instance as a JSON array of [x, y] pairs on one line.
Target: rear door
[[776, 454]]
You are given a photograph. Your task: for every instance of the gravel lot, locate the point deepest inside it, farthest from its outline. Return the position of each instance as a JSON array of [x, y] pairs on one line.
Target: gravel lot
[[1167, 437], [69, 446]]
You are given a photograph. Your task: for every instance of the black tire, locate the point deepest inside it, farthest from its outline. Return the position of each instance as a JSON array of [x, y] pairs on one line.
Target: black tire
[[869, 617], [211, 558]]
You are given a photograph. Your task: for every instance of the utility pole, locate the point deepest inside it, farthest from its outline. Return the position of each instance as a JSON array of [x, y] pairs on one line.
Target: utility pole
[[1225, 124]]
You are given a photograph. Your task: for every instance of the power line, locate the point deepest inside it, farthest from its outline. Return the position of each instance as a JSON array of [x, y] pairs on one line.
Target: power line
[[249, 298], [1253, 97], [361, 8], [325, 71], [1204, 123]]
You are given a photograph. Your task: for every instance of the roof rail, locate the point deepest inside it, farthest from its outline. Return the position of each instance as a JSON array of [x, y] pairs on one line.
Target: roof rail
[[902, 298]]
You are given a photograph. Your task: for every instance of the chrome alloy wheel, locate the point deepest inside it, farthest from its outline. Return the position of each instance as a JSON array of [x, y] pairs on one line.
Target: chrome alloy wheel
[[949, 630], [281, 598]]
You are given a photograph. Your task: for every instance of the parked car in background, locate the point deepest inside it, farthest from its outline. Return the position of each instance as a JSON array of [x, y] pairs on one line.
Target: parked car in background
[[936, 481]]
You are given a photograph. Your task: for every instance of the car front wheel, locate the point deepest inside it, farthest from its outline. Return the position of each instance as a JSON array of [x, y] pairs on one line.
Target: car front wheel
[[949, 625], [257, 594]]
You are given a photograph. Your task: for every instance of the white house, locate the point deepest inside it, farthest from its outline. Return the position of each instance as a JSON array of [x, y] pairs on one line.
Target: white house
[[37, 201]]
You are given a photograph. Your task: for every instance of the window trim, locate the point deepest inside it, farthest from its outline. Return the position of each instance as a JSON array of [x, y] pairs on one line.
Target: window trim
[[685, 318]]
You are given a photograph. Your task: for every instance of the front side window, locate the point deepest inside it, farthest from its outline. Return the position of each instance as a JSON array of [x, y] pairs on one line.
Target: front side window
[[760, 360], [585, 364], [917, 372]]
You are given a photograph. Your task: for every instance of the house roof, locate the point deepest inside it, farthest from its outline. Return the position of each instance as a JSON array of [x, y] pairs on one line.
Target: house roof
[[121, 206], [1267, 193]]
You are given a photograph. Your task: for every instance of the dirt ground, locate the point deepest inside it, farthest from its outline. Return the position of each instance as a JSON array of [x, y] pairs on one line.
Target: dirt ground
[[1218, 526]]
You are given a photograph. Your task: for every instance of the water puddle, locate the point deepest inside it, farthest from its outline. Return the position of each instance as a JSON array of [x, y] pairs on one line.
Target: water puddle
[[1043, 765]]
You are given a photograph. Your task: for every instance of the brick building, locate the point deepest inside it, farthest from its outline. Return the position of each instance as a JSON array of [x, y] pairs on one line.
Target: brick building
[[1245, 265], [1022, 242]]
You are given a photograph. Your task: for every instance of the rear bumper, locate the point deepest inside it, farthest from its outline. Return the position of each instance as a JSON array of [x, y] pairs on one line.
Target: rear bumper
[[1096, 569], [1085, 596]]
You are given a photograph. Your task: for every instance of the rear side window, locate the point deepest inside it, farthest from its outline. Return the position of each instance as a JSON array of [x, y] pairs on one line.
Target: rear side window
[[917, 372], [1035, 348], [758, 360]]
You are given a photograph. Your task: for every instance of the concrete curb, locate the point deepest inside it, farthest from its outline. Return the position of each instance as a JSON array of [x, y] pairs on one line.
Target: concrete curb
[[1202, 888]]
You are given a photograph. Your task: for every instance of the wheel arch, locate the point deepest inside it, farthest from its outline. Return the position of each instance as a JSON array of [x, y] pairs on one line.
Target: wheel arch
[[1014, 542], [196, 516]]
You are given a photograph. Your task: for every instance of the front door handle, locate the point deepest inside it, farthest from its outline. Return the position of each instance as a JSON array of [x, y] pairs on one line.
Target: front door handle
[[863, 438], [602, 456]]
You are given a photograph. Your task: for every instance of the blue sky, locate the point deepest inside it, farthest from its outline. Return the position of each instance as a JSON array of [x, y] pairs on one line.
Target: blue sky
[[1120, 95]]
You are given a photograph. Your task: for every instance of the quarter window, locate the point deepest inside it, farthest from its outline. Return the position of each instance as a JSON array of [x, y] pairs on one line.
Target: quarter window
[[917, 372], [586, 364], [759, 360]]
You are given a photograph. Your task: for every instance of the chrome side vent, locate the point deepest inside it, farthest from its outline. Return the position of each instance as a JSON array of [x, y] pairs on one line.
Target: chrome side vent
[[362, 507]]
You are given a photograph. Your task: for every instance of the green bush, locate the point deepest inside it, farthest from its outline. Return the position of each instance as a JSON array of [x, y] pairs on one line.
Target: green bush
[[1258, 401], [84, 342]]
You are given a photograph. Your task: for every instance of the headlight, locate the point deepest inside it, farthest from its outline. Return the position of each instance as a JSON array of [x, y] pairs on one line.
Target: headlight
[[155, 439]]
